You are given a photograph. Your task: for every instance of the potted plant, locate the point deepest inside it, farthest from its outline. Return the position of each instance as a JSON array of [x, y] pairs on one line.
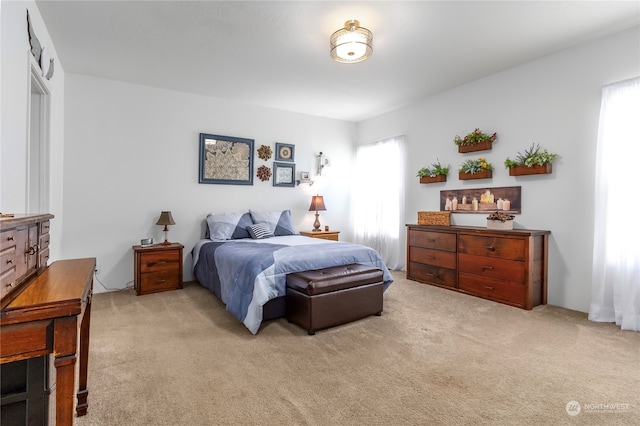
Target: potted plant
[[475, 169], [475, 141], [435, 173], [534, 161], [499, 220]]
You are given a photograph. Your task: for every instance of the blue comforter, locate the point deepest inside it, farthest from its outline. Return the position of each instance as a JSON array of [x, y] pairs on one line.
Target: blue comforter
[[249, 273]]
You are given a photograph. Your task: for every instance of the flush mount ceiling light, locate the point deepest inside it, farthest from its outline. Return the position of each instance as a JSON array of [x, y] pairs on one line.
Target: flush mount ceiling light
[[351, 43]]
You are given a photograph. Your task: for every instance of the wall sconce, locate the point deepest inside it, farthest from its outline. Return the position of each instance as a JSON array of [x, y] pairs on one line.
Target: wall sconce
[[323, 162], [165, 219]]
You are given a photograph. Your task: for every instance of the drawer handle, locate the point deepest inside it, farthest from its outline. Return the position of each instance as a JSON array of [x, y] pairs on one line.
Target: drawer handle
[[430, 274], [490, 248], [487, 267], [10, 261], [162, 262], [488, 287], [33, 250], [160, 281], [11, 285], [431, 241], [10, 238]]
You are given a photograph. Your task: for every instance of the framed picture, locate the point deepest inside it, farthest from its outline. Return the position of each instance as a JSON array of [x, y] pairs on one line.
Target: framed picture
[[482, 200], [285, 152], [226, 160], [284, 174]]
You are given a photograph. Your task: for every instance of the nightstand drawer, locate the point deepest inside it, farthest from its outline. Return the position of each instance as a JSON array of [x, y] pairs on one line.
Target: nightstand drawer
[[159, 261], [160, 281]]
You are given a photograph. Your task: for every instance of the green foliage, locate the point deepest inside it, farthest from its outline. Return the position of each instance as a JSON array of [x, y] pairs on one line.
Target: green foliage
[[534, 156], [435, 170], [475, 138], [474, 166]]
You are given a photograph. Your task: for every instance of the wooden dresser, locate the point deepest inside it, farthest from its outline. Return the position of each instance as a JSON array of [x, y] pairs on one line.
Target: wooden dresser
[[24, 251], [506, 266], [44, 325]]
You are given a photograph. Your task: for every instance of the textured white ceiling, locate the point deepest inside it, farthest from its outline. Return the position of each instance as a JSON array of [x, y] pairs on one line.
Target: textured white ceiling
[[276, 54]]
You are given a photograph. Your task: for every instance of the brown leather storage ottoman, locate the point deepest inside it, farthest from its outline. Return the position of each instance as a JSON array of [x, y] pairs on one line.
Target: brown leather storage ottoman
[[333, 296]]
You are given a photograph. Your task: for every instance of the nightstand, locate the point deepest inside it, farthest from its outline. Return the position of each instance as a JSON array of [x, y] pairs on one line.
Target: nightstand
[[157, 268], [323, 235]]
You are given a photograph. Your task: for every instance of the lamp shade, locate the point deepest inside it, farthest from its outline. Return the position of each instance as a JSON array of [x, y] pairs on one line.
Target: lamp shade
[[317, 203], [165, 219], [351, 43]]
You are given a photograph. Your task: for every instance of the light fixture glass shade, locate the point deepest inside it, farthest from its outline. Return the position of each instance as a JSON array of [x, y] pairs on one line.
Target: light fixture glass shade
[[317, 203], [351, 43]]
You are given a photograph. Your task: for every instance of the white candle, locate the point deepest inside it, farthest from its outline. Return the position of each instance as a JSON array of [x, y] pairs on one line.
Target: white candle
[[499, 203], [474, 204], [454, 204], [506, 205]]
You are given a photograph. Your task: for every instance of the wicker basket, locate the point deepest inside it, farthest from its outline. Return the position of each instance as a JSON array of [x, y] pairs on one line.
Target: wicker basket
[[434, 218]]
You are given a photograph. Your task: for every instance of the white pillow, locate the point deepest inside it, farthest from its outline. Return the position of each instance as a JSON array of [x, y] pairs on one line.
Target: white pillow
[[228, 226], [279, 222]]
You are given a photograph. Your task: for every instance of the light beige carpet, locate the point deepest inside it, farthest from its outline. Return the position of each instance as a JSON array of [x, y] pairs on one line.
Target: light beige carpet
[[435, 357]]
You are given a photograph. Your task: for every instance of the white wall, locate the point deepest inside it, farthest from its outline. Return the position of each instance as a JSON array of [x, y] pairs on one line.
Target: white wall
[[15, 77], [132, 151], [554, 101]]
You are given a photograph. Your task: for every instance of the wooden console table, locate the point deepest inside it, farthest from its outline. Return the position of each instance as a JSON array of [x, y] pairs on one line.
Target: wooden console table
[[51, 316]]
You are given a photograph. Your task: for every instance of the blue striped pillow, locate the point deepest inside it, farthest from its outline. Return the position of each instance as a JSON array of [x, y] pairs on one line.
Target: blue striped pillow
[[259, 231]]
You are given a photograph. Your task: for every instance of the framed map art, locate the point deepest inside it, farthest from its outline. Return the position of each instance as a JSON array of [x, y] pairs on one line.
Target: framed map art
[[226, 160]]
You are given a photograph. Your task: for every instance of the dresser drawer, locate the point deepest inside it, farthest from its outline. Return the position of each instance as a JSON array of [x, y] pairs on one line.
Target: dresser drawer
[[444, 259], [490, 246], [502, 269], [493, 289], [44, 227], [160, 281], [433, 240], [167, 260], [432, 274]]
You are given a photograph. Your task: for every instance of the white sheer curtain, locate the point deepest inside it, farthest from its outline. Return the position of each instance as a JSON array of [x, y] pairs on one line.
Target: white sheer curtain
[[616, 253], [378, 199]]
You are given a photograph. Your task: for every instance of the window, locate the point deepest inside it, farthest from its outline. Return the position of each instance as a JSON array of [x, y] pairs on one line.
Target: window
[[616, 253], [378, 199]]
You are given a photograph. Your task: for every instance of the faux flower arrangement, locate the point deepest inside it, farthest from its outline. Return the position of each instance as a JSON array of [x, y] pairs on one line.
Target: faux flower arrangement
[[475, 166], [502, 217], [435, 170], [475, 138], [534, 156]]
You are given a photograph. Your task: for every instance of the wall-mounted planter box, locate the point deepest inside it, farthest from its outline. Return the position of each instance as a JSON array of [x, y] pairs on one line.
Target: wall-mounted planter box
[[482, 174], [434, 179], [481, 146], [533, 170]]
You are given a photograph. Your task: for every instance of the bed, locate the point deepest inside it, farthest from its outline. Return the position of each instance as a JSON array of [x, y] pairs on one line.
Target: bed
[[245, 258]]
